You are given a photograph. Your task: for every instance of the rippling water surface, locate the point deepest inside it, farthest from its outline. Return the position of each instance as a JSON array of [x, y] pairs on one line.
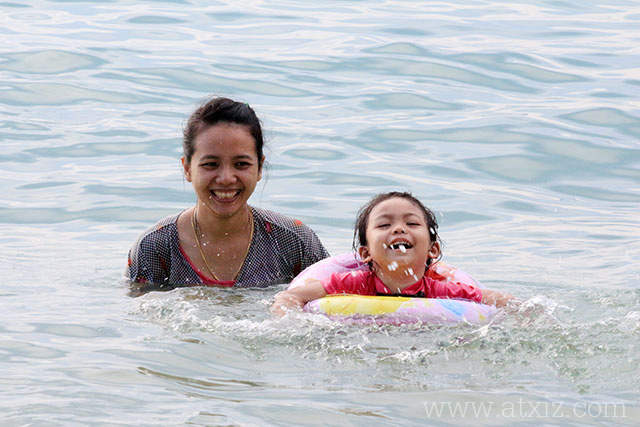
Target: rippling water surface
[[517, 122]]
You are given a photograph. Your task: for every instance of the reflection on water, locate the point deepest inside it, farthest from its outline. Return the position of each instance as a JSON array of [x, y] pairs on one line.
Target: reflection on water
[[516, 123]]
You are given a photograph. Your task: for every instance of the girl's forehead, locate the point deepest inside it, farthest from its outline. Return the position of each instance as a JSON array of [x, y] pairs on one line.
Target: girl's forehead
[[395, 206]]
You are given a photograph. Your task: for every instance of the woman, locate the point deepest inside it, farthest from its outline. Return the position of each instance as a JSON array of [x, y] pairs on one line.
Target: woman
[[222, 241]]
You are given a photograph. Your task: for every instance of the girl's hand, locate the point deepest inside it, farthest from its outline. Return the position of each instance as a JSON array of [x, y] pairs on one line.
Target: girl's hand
[[497, 298], [296, 298], [284, 302]]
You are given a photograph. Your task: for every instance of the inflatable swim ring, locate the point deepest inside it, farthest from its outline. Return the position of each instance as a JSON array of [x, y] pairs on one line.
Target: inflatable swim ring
[[394, 310], [400, 310]]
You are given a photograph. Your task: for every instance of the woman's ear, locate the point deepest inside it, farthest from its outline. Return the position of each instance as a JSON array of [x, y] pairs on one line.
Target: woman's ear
[[364, 254], [187, 168], [434, 250], [260, 168]]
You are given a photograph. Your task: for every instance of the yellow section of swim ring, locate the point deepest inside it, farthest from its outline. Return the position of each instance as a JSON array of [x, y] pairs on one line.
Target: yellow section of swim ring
[[347, 305]]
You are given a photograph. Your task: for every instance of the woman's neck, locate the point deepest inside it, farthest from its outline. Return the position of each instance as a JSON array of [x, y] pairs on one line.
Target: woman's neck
[[217, 226]]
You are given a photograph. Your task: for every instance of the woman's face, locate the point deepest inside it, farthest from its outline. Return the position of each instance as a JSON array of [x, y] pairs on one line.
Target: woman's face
[[224, 168]]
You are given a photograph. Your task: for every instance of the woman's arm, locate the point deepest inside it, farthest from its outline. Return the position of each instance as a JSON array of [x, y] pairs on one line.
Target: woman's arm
[[296, 298]]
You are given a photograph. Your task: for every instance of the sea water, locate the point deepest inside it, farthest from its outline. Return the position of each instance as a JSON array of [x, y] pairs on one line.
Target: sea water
[[516, 122]]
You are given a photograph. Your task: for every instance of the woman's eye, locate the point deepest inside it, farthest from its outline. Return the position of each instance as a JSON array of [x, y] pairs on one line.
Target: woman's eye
[[210, 164], [243, 165]]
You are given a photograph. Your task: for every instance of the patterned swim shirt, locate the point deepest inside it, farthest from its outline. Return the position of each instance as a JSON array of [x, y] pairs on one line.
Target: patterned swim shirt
[[281, 248]]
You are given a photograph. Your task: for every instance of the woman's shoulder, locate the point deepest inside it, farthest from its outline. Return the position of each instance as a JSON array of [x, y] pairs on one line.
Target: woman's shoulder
[[277, 222], [160, 231], [295, 244]]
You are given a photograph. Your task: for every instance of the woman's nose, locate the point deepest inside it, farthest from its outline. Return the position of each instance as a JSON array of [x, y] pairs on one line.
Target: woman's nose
[[226, 175]]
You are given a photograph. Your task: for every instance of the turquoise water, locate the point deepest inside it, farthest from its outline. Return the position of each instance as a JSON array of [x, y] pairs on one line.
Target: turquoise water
[[517, 122]]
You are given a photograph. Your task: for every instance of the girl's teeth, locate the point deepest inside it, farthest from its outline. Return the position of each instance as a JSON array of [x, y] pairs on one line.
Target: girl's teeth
[[400, 246]]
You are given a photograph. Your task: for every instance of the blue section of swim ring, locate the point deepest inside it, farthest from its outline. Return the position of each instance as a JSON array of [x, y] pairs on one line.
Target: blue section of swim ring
[[453, 306]]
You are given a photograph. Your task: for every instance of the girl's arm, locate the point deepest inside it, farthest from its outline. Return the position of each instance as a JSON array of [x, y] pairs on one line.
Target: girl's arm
[[497, 298], [296, 298]]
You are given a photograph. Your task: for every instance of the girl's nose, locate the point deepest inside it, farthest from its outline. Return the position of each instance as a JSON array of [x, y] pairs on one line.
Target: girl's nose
[[399, 229]]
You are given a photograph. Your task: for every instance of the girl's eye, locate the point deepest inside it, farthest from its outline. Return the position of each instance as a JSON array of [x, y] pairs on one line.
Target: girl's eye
[[413, 223], [383, 225]]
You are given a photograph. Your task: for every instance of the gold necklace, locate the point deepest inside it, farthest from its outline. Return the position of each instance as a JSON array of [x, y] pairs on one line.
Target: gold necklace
[[197, 232]]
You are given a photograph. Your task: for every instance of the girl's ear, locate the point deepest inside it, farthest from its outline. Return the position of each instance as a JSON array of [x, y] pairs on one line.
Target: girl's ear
[[187, 169], [434, 250], [364, 254]]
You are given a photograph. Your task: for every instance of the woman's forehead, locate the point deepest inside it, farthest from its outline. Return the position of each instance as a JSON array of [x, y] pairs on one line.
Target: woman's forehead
[[224, 139]]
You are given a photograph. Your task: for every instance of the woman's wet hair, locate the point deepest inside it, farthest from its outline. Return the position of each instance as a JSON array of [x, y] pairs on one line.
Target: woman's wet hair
[[221, 110], [362, 219]]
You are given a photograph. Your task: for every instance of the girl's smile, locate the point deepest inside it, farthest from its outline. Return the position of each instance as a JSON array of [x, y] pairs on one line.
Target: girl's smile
[[401, 245], [398, 242]]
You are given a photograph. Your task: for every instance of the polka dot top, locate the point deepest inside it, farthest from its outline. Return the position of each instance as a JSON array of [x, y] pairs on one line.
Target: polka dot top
[[281, 248]]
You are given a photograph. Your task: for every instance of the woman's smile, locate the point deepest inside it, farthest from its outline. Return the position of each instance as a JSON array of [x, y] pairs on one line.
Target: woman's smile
[[224, 195], [224, 169]]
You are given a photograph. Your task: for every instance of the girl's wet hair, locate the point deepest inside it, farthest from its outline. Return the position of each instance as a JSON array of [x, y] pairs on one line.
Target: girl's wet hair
[[362, 219], [221, 110]]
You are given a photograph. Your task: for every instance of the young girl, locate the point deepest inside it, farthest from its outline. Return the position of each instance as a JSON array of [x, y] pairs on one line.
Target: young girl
[[398, 238]]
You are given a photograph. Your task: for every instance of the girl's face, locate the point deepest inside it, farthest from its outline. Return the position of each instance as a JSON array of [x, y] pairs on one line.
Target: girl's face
[[398, 240], [224, 168]]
